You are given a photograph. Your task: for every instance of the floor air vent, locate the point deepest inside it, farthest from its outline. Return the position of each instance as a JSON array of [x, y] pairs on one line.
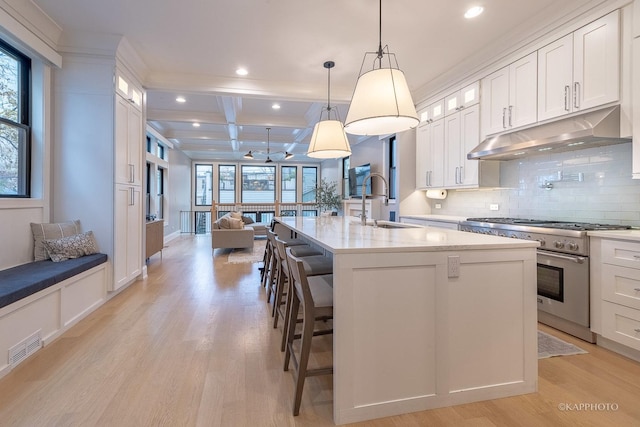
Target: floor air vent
[[24, 349]]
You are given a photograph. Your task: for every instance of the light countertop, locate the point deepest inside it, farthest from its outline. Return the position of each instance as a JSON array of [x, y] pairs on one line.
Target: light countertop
[[441, 218], [340, 234], [633, 235]]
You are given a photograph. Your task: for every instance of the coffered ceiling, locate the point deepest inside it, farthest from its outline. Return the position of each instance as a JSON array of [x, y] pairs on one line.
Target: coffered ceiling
[[193, 48]]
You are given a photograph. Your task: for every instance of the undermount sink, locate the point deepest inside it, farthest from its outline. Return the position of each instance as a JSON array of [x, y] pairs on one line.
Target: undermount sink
[[391, 224]]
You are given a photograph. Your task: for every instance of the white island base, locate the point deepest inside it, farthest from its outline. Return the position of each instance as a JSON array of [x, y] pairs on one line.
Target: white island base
[[409, 335]]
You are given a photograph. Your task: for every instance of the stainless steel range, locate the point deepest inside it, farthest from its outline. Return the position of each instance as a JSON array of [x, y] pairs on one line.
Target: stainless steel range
[[563, 266]]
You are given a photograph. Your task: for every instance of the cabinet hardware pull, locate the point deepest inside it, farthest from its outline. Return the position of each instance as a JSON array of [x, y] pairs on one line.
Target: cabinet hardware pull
[[510, 114], [637, 330], [461, 177], [132, 200], [131, 172], [504, 113], [636, 257], [566, 97], [576, 94], [636, 289]]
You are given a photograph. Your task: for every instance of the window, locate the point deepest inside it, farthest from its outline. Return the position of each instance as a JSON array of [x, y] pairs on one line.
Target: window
[[226, 184], [258, 184], [161, 151], [160, 187], [309, 183], [15, 145], [204, 182], [288, 187], [392, 167], [346, 162]]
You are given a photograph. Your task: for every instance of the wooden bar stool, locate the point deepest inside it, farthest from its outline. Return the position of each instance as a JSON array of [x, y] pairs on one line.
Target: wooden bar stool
[[314, 264], [315, 295], [271, 264]]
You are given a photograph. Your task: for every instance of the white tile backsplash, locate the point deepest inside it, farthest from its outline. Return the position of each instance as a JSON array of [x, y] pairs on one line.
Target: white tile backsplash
[[607, 194]]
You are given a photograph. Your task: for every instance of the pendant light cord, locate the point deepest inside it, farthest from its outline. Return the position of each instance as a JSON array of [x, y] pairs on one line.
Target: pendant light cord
[[380, 36]]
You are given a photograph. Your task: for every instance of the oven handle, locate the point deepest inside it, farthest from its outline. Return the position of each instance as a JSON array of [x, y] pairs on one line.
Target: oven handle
[[573, 258]]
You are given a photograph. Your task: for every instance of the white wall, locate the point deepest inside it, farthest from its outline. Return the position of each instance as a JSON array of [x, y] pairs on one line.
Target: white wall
[[607, 194]]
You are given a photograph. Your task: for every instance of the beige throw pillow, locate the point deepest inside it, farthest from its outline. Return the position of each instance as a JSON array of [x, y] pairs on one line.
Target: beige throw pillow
[[47, 231], [75, 246], [236, 224]]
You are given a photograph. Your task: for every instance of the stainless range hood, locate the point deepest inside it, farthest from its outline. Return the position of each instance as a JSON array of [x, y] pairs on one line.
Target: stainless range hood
[[592, 129]]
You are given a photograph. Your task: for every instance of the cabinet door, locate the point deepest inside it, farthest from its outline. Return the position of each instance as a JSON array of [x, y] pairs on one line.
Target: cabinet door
[[596, 70], [469, 139], [436, 110], [452, 152], [494, 101], [128, 143], [436, 148], [127, 249], [555, 78], [523, 96], [464, 98], [422, 156]]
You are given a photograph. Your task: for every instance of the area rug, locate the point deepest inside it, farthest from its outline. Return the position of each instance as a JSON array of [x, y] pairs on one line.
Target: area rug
[[549, 346], [242, 256]]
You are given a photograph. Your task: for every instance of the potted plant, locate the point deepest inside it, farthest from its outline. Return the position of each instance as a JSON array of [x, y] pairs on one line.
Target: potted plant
[[327, 197]]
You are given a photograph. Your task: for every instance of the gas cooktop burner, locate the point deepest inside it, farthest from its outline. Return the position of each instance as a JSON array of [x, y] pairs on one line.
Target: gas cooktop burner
[[562, 225]]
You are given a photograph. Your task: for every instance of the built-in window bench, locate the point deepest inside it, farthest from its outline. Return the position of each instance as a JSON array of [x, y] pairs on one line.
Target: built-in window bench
[[42, 299]]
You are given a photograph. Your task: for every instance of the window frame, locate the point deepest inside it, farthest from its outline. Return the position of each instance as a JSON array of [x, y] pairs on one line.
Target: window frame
[[195, 193], [23, 124]]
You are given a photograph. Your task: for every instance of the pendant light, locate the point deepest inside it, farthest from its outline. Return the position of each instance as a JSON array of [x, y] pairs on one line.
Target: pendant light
[[381, 102], [329, 141], [268, 158], [250, 155]]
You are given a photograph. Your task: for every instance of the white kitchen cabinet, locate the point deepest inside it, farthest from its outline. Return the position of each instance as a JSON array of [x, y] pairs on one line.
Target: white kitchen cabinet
[[581, 70], [100, 140], [128, 137], [461, 99], [462, 134], [433, 112], [636, 101], [509, 99], [615, 301], [430, 155], [127, 263]]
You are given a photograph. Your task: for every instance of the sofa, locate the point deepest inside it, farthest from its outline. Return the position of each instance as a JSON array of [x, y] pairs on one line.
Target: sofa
[[233, 230]]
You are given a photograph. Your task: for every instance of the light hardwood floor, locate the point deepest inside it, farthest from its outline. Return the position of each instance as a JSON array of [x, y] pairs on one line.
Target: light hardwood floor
[[193, 345]]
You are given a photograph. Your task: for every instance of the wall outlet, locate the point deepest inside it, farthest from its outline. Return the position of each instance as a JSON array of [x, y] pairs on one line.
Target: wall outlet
[[438, 206], [494, 207], [453, 266]]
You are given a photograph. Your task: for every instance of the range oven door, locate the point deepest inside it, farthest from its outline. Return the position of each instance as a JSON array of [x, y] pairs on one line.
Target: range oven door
[[563, 286]]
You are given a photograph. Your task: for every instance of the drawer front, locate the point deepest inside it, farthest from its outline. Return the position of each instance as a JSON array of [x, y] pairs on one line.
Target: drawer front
[[621, 285], [621, 324], [616, 252]]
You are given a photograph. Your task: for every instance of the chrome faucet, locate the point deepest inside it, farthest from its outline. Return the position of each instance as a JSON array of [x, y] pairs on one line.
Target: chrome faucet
[[363, 215]]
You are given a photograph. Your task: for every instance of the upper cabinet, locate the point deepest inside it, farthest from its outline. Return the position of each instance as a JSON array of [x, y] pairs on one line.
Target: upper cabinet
[[465, 97], [433, 112], [580, 70], [430, 155], [508, 97]]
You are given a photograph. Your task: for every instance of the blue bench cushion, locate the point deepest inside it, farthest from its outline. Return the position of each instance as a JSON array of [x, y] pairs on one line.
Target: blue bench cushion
[[26, 279]]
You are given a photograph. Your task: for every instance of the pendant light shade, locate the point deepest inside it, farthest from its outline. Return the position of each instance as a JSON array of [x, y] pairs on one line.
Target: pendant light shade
[[381, 102], [329, 140]]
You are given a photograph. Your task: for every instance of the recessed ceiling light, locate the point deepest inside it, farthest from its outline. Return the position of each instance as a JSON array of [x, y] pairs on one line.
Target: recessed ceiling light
[[242, 71], [181, 99], [473, 12], [276, 106], [196, 125]]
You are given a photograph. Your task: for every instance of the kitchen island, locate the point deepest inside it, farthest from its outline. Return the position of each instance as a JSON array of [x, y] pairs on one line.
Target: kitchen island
[[425, 317]]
